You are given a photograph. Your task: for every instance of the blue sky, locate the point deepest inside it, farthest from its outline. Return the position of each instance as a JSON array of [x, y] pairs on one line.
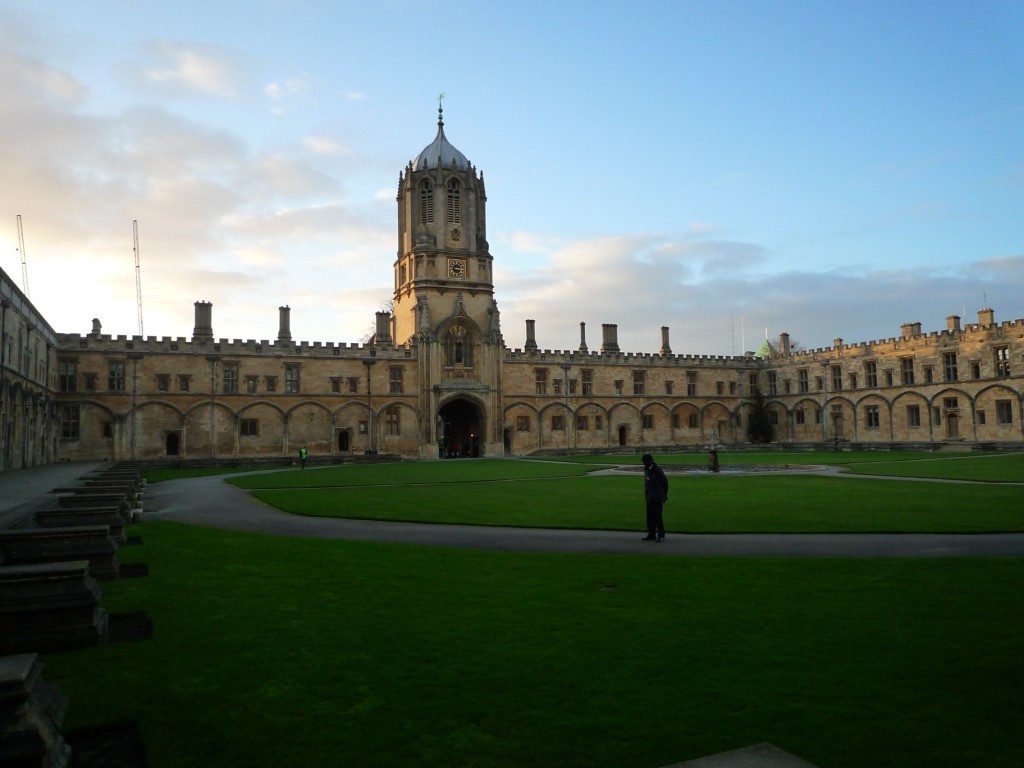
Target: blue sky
[[828, 169]]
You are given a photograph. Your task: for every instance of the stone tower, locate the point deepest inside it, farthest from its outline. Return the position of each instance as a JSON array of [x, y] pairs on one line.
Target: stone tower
[[444, 300]]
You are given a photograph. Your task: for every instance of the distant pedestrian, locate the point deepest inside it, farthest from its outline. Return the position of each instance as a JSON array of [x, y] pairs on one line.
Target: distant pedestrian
[[655, 496], [303, 453]]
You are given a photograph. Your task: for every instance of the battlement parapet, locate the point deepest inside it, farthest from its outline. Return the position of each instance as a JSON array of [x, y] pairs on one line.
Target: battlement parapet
[[111, 344], [905, 344], [621, 358]]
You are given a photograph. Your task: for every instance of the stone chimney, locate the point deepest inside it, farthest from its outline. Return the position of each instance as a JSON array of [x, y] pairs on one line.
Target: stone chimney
[[284, 325], [583, 337], [97, 327], [784, 348], [609, 337], [910, 329], [837, 343], [986, 317], [531, 341], [953, 323], [203, 330], [383, 335], [665, 348]]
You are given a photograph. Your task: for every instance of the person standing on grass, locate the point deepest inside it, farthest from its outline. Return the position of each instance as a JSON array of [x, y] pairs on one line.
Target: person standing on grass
[[303, 453], [655, 495]]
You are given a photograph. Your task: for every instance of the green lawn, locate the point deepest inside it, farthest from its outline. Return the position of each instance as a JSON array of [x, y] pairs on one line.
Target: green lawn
[[290, 651], [743, 457], [562, 495], [998, 468], [794, 504], [409, 472], [271, 651]]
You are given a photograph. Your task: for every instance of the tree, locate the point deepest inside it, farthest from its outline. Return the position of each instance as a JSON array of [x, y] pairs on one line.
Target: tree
[[759, 426]]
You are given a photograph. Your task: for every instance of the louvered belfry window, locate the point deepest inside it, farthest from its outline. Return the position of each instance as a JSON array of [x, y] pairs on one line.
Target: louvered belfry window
[[454, 203], [426, 203]]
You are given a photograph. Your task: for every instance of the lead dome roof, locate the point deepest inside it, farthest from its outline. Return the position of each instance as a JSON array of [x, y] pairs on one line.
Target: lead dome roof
[[440, 153]]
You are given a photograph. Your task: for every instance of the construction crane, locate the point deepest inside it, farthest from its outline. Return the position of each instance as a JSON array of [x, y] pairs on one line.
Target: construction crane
[[24, 264], [138, 272]]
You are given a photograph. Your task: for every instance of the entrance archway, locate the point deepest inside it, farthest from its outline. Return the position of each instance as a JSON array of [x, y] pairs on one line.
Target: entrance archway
[[173, 441], [343, 441], [460, 428]]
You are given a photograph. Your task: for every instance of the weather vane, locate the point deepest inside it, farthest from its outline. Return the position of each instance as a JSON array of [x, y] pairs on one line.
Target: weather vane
[[440, 109]]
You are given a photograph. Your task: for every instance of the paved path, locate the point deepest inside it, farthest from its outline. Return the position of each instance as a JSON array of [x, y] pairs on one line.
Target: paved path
[[22, 491], [212, 502]]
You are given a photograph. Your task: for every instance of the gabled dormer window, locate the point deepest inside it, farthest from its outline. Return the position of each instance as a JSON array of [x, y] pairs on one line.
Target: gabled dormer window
[[426, 202]]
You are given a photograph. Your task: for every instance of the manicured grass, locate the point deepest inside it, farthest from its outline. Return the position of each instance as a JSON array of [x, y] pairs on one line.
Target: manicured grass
[[280, 651], [1004, 467], [454, 471], [707, 504], [745, 457]]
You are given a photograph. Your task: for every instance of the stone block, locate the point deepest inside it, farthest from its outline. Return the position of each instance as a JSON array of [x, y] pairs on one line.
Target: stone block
[[27, 546], [50, 607], [130, 493], [73, 500], [31, 714], [58, 517]]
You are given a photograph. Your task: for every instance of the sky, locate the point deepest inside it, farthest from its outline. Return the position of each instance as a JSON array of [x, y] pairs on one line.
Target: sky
[[726, 168]]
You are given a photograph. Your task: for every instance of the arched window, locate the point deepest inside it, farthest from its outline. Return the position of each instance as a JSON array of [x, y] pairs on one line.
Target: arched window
[[454, 202], [458, 348], [426, 202]]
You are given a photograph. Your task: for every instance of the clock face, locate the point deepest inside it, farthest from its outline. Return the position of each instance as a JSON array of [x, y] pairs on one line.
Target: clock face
[[456, 268]]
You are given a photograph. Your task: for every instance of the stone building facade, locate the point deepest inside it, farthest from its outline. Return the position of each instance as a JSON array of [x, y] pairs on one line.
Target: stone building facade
[[28, 358], [437, 378]]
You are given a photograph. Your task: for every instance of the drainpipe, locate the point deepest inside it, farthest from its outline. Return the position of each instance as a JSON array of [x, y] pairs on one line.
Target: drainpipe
[[369, 405]]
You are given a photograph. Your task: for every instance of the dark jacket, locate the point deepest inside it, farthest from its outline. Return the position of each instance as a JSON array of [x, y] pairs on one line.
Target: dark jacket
[[655, 484]]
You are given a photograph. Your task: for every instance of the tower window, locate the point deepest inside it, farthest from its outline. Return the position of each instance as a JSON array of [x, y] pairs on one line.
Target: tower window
[[426, 202], [454, 202]]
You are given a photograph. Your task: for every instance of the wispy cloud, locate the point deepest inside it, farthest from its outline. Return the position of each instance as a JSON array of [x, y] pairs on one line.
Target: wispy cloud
[[193, 67], [322, 145], [285, 94]]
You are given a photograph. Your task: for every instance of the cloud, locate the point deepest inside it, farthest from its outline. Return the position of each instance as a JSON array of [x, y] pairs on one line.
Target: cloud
[[44, 82], [717, 298], [287, 93], [219, 220], [197, 67], [321, 145]]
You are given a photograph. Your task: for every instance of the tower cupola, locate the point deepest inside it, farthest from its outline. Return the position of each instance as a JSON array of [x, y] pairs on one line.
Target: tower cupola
[[440, 153]]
